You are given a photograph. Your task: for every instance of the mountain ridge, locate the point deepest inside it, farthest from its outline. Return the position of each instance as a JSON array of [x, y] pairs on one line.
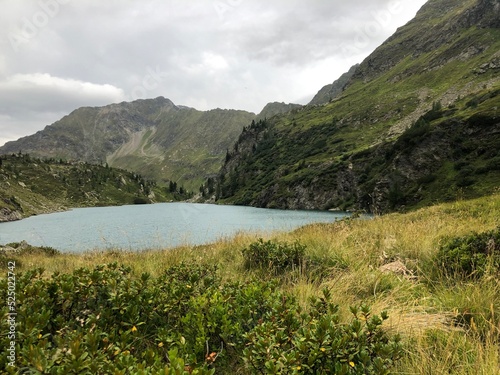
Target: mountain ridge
[[392, 138], [162, 140], [151, 136], [333, 90]]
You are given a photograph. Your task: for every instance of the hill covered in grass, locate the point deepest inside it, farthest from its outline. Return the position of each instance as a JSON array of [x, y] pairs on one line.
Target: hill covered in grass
[[30, 186]]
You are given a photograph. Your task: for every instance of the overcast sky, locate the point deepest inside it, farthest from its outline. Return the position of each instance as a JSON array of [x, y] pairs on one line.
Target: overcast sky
[[58, 55]]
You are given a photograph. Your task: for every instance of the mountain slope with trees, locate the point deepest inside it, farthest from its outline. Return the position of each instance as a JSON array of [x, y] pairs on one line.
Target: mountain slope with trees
[[417, 123], [153, 137], [31, 186]]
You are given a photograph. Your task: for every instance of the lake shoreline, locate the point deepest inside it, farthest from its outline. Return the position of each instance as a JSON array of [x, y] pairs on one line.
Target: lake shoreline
[[7, 215], [162, 225]]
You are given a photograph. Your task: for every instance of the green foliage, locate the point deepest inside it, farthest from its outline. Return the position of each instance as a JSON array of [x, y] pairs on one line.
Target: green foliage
[[475, 101], [108, 320], [470, 256], [208, 189], [292, 341], [414, 134], [289, 260], [277, 257]]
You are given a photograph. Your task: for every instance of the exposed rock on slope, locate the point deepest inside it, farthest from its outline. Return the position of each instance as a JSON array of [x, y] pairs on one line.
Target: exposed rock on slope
[[7, 214]]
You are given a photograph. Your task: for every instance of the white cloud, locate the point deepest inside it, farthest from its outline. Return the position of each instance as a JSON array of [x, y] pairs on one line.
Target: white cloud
[[209, 63], [28, 102], [214, 62], [55, 85], [44, 92]]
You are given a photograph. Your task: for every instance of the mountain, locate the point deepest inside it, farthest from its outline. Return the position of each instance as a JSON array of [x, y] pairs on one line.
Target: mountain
[[30, 186], [155, 137], [276, 108], [417, 123], [332, 91]]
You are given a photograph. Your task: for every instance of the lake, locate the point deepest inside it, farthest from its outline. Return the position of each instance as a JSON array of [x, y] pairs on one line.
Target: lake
[[155, 226]]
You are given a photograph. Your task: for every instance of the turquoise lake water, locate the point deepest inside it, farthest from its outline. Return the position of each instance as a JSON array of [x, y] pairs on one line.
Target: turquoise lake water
[[154, 226]]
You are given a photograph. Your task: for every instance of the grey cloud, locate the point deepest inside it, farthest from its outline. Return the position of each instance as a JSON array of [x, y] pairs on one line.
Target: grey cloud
[[216, 53], [315, 30]]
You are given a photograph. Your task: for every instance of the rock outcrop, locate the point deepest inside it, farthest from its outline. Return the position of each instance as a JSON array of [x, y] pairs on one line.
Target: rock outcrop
[[7, 214]]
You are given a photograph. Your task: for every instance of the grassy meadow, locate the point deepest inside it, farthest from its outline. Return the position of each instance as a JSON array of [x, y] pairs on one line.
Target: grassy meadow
[[448, 324]]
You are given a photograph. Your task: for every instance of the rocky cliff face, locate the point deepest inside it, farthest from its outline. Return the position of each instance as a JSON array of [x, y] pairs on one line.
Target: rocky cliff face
[[417, 123]]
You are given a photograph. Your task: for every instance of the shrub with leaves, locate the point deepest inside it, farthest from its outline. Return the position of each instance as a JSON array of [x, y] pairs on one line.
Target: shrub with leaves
[[470, 255], [291, 341], [186, 321], [107, 320]]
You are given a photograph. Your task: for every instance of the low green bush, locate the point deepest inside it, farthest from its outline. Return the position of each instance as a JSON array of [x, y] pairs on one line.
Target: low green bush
[[291, 341], [471, 255], [274, 258], [107, 320]]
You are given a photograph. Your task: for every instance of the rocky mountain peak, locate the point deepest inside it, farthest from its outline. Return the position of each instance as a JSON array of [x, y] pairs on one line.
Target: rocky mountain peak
[[436, 24], [276, 108]]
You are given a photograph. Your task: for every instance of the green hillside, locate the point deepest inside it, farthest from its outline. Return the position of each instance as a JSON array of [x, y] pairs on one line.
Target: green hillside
[[417, 123], [30, 186], [186, 145]]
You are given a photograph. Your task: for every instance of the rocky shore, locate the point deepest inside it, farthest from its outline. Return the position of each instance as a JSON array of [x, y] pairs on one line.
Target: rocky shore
[[9, 215]]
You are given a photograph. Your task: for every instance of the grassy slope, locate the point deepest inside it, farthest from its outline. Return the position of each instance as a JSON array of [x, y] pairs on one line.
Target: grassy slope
[[422, 309], [186, 146], [375, 108]]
